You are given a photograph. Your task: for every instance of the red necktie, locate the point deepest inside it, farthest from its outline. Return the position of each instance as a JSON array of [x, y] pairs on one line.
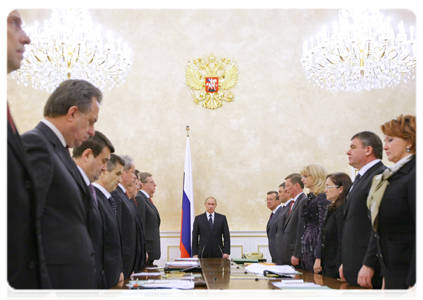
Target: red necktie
[[9, 118], [151, 200], [290, 207]]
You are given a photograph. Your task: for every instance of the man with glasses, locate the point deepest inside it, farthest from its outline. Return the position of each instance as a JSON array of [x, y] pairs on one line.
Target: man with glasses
[[150, 216]]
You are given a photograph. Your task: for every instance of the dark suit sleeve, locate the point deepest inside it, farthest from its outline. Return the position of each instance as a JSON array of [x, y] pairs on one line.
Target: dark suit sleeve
[[141, 209], [40, 161], [226, 237], [370, 259], [194, 243], [411, 190], [300, 228]]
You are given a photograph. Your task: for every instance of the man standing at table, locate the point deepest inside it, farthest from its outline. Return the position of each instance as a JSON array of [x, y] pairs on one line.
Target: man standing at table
[[207, 233], [290, 225], [150, 216], [26, 267], [69, 117], [112, 256], [274, 204], [359, 265], [91, 158], [133, 240]]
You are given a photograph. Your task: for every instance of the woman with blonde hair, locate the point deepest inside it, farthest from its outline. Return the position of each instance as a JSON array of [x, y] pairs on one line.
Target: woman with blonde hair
[[392, 204], [314, 178]]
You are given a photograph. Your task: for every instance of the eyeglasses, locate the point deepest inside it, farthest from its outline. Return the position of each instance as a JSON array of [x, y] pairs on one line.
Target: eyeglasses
[[331, 186]]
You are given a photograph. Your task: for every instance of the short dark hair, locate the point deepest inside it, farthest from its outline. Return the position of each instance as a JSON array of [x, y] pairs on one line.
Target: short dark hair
[[96, 143], [340, 179], [282, 185], [70, 93], [113, 161], [274, 192], [295, 178], [369, 138], [137, 173], [144, 175]]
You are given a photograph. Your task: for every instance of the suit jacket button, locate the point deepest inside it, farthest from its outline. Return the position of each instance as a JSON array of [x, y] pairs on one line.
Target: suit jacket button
[[27, 184], [31, 264], [92, 253]]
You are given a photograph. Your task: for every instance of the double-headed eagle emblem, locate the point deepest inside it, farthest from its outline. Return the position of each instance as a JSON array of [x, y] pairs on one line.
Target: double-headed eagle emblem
[[211, 78]]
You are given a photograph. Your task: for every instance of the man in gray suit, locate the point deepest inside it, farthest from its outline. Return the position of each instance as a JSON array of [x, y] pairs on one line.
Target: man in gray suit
[[290, 225], [274, 204], [150, 217]]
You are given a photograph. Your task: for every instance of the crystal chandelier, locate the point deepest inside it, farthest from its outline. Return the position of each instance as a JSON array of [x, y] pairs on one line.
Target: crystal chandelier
[[69, 47], [362, 52]]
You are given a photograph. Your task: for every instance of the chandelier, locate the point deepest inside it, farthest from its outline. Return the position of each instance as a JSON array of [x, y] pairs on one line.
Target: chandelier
[[68, 46], [362, 52]]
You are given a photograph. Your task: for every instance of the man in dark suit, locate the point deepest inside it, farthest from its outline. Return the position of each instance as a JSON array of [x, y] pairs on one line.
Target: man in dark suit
[[150, 216], [359, 265], [26, 267], [91, 158], [274, 204], [112, 255], [70, 114], [291, 225], [207, 233], [133, 240]]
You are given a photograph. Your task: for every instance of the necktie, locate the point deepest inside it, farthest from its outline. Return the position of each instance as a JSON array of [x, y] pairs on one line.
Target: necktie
[[271, 215], [93, 193], [9, 118], [151, 200], [67, 148], [290, 207], [211, 221], [112, 201], [357, 177]]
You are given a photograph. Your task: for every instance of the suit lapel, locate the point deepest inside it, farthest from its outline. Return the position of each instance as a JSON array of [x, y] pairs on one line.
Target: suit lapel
[[294, 207], [63, 154]]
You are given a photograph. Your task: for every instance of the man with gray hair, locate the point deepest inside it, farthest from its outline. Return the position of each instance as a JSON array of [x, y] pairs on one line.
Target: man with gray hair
[[133, 240], [150, 216], [69, 117]]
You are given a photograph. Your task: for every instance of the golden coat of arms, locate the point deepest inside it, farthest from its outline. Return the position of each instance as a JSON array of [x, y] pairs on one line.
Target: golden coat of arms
[[211, 78]]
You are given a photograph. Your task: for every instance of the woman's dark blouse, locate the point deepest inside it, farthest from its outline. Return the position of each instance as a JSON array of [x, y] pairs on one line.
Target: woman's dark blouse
[[331, 241]]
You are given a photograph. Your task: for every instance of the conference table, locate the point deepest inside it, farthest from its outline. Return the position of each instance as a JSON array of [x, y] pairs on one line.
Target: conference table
[[223, 274]]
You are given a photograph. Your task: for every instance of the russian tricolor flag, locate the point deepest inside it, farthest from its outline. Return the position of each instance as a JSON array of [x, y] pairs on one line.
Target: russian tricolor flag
[[187, 207]]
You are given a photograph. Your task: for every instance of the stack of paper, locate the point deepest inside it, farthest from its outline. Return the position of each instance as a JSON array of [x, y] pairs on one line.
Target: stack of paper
[[297, 284], [279, 269], [165, 284]]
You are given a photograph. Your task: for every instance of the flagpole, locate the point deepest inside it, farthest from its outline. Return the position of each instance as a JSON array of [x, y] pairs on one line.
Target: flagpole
[[187, 216]]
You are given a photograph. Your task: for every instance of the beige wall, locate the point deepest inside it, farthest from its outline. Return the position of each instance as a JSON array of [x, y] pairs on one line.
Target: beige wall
[[277, 123]]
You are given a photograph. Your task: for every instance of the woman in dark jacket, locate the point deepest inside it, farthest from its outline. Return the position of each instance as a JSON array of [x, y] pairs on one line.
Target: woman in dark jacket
[[392, 203], [314, 178], [336, 186]]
